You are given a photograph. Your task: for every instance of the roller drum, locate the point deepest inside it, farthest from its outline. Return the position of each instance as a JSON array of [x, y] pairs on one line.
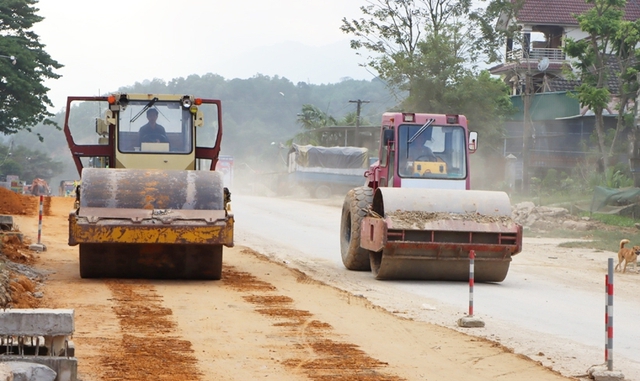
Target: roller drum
[[151, 189], [488, 203], [426, 234], [149, 223]]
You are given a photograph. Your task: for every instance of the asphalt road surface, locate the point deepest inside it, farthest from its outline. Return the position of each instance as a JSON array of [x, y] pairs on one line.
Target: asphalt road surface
[[551, 306]]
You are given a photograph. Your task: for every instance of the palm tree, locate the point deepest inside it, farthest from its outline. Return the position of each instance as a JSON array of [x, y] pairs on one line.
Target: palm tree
[[312, 118]]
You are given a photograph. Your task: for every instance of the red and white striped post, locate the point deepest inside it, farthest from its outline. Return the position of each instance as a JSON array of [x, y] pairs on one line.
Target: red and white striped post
[[40, 220], [470, 320], [472, 256], [608, 318], [39, 246]]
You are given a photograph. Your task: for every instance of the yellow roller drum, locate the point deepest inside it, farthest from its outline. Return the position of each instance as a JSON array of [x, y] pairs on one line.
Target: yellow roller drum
[[135, 223]]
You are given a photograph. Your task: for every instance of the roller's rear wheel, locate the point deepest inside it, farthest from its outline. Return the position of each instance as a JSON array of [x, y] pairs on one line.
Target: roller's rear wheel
[[151, 261], [354, 208]]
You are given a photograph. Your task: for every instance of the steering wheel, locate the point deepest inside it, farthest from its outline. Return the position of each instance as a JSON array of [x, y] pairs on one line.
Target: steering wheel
[[430, 157], [155, 137]]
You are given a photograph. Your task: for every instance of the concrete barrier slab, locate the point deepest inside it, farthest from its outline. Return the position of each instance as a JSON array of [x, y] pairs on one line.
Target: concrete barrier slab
[[37, 247], [470, 322], [65, 368], [37, 322], [26, 371]]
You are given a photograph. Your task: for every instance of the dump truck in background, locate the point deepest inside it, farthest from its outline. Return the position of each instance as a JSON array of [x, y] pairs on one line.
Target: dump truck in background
[[150, 205], [325, 171], [418, 219]]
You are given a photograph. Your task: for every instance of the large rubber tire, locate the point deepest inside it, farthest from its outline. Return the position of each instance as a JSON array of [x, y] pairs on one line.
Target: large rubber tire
[[151, 261], [355, 207]]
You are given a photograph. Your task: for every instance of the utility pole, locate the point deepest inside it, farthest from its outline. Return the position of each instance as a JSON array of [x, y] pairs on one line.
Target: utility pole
[[357, 133], [526, 134], [526, 129]]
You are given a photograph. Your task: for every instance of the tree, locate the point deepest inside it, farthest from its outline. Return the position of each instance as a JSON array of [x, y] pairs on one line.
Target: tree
[[441, 65], [27, 164], [312, 118], [603, 23], [494, 26], [350, 119], [23, 96], [429, 48], [486, 102], [625, 42], [255, 114], [393, 30]]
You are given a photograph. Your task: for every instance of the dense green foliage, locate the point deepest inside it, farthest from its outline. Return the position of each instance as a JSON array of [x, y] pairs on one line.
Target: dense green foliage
[[430, 49], [608, 36], [259, 113], [27, 164], [425, 53], [23, 97]]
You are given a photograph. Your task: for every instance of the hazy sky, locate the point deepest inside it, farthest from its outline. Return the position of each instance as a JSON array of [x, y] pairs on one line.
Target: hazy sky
[[108, 44]]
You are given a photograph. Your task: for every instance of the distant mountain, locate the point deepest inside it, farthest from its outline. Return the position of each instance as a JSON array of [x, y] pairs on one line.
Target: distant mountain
[[298, 63]]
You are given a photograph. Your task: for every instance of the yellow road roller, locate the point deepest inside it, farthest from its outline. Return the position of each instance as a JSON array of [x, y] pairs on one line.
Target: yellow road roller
[[415, 217], [150, 203]]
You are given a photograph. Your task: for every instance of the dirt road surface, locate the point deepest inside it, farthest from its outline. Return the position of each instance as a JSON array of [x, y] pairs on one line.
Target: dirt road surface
[[263, 320]]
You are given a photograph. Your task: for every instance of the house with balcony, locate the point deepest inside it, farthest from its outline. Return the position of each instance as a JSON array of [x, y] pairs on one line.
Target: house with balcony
[[560, 127]]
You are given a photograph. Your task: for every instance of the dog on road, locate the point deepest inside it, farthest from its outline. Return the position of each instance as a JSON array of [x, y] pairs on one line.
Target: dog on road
[[628, 256]]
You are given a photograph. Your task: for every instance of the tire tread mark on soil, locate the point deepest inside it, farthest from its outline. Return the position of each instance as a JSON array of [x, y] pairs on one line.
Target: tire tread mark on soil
[[152, 352], [320, 357]]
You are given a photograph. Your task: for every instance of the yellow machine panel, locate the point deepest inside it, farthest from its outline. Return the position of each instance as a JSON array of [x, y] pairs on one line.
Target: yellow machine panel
[[422, 167]]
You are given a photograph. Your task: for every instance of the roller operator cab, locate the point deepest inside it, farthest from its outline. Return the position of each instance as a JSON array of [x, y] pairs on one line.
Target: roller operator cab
[[150, 204], [416, 217]]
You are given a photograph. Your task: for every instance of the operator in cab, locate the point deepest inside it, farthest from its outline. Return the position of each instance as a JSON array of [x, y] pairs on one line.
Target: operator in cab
[[418, 151], [152, 131], [413, 162]]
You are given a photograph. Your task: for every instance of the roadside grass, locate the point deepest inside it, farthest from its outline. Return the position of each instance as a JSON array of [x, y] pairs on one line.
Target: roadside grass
[[612, 229], [556, 199]]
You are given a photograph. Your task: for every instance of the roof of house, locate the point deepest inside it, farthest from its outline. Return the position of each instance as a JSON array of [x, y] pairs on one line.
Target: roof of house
[[561, 12], [560, 84]]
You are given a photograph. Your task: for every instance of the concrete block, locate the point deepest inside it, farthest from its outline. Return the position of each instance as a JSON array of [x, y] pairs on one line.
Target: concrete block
[[26, 371], [37, 322], [601, 373], [470, 322], [37, 247], [608, 375], [66, 368], [6, 222]]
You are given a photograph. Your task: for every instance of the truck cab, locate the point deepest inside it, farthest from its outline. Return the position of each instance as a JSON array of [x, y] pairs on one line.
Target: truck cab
[[181, 141], [446, 136]]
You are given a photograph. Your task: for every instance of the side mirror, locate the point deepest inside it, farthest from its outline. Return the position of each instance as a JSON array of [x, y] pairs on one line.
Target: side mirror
[[387, 137], [199, 119], [473, 141], [110, 118], [102, 127]]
